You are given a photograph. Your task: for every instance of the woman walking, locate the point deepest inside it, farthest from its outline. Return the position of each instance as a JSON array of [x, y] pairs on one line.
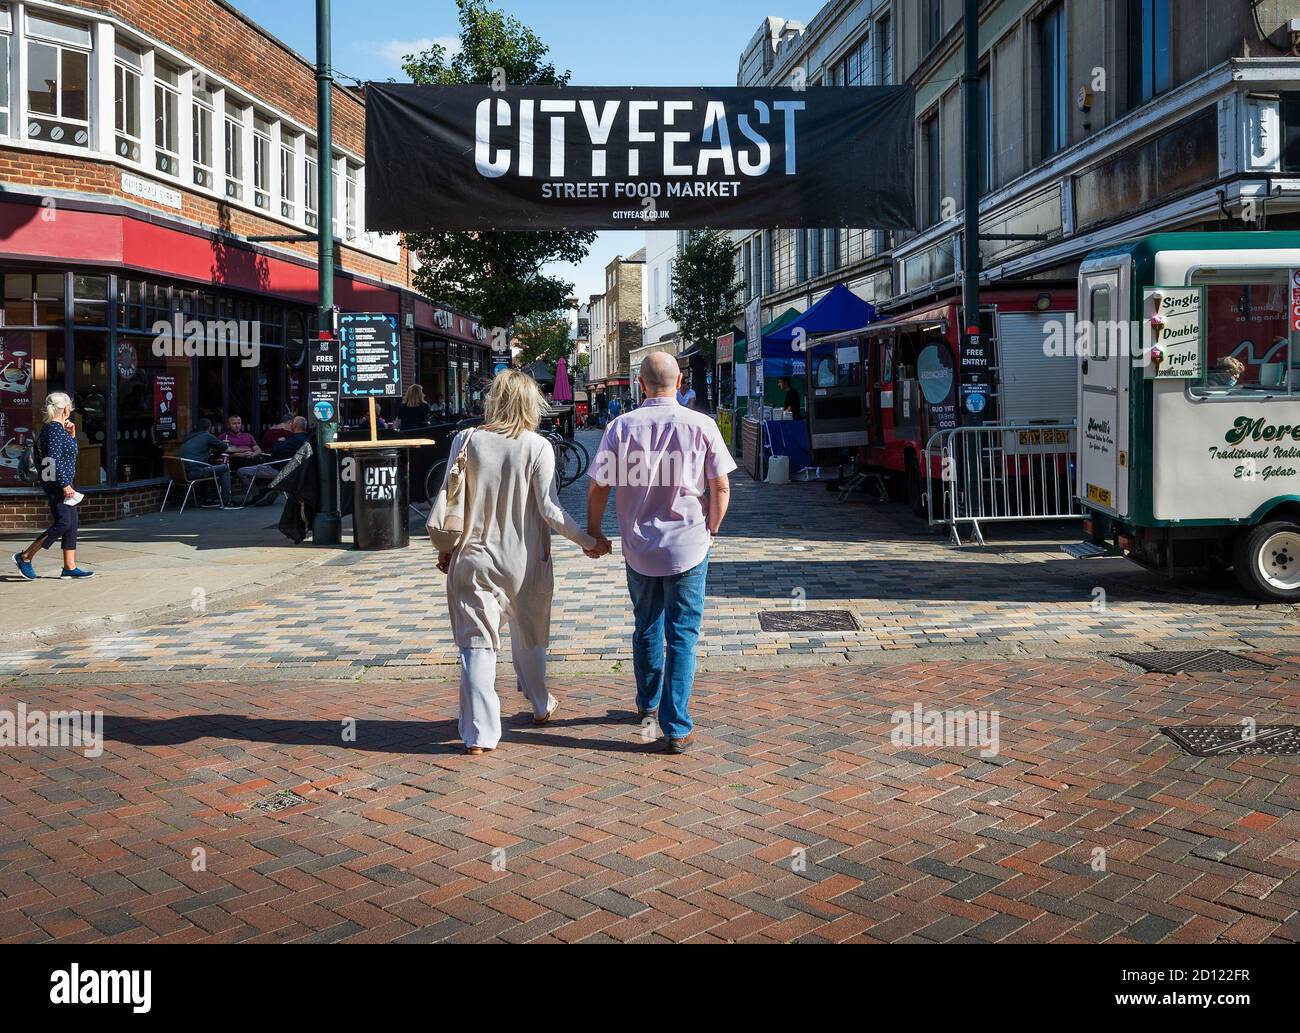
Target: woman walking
[[502, 569], [58, 466]]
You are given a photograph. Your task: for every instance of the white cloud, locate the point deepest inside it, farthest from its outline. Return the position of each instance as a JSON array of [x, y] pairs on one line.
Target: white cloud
[[394, 50]]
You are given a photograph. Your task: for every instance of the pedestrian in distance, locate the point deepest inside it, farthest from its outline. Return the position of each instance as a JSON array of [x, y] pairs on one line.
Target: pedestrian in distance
[[58, 469], [501, 568], [663, 458]]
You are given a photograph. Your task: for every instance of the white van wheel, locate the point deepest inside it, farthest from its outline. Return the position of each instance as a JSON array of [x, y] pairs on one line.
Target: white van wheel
[[1268, 561]]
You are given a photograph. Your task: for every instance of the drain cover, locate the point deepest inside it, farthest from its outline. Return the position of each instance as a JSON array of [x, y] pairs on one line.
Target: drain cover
[[1213, 740], [807, 620], [1187, 661], [281, 800]]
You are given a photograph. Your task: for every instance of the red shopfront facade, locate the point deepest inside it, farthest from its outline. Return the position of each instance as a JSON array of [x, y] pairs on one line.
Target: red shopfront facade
[[84, 289], [453, 359]]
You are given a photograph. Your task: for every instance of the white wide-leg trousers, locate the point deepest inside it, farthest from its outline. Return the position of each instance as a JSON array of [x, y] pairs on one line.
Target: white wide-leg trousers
[[480, 706]]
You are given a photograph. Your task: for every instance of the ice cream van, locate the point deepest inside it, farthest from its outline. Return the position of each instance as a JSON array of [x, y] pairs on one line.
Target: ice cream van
[[1188, 347]]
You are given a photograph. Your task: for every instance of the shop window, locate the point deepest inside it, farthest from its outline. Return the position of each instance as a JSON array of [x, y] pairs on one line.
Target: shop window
[[201, 152], [310, 186], [6, 26], [90, 373], [24, 382], [270, 387], [166, 128], [288, 168], [34, 299], [1248, 349], [90, 300], [153, 408], [261, 163], [234, 165], [127, 72], [58, 81], [130, 304]]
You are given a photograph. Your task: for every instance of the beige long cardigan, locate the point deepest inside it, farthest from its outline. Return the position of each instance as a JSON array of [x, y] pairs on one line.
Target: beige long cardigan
[[502, 568]]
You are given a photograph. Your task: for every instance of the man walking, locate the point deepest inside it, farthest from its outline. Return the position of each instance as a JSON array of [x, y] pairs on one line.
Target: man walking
[[662, 457]]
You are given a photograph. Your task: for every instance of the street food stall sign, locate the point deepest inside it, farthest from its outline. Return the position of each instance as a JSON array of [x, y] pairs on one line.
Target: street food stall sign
[[1172, 337], [370, 355]]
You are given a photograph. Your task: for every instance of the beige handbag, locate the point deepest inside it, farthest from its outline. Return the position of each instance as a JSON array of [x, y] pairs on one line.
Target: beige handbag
[[446, 521]]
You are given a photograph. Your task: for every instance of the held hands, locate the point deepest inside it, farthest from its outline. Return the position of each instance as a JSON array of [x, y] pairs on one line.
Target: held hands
[[603, 547]]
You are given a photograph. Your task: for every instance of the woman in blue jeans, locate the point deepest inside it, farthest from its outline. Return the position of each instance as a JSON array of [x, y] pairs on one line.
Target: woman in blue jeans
[[58, 467]]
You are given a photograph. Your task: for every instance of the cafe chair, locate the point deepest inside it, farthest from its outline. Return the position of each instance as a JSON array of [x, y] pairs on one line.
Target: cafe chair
[[276, 466], [190, 473]]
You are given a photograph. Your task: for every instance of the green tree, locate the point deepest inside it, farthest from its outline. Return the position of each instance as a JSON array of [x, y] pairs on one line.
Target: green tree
[[542, 336], [496, 275], [706, 294]]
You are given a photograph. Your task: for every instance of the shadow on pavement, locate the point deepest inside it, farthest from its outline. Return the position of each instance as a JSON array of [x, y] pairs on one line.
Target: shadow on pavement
[[420, 737]]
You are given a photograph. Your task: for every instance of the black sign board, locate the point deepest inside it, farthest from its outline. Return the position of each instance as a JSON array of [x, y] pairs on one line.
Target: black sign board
[[370, 355], [590, 157], [323, 379]]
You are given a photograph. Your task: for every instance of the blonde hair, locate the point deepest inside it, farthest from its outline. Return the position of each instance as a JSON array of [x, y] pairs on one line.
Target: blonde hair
[[55, 403], [513, 404], [414, 395]]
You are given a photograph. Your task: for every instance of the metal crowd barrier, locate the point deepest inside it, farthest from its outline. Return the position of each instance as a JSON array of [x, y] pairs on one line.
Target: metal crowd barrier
[[1000, 473]]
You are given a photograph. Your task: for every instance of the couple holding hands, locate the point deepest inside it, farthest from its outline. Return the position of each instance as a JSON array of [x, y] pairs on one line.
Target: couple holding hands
[[670, 466]]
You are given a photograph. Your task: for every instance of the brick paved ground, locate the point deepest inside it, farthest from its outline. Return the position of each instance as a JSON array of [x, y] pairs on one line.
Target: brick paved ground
[[578, 832], [783, 546]]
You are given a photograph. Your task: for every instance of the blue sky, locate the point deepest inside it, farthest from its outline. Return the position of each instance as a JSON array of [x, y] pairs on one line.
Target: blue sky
[[603, 42]]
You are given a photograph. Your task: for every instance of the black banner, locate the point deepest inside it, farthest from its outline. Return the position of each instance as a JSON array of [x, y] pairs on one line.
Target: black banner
[[585, 157]]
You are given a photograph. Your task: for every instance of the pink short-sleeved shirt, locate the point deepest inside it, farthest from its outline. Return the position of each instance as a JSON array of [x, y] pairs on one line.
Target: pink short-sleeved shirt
[[660, 457]]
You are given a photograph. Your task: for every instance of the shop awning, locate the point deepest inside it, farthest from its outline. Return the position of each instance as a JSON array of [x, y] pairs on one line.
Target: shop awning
[[837, 311]]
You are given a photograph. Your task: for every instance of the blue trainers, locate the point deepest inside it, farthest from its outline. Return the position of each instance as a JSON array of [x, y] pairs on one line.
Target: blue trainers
[[77, 572], [24, 568]]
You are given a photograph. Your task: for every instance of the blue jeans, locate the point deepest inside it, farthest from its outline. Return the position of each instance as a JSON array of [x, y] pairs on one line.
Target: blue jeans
[[668, 613]]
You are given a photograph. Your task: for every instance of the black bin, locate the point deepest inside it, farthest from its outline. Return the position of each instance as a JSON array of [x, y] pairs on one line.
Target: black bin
[[379, 496]]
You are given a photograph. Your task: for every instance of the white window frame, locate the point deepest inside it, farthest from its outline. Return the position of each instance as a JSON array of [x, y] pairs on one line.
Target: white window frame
[[351, 201], [168, 162], [263, 152], [125, 143], [7, 44], [201, 131], [60, 48], [290, 173], [232, 139], [310, 185]]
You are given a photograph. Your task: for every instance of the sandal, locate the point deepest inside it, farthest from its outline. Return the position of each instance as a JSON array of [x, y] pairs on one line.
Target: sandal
[[478, 751]]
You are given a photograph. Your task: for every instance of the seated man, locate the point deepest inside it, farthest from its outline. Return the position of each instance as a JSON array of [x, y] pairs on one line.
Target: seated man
[[284, 449], [201, 446], [245, 451], [276, 434]]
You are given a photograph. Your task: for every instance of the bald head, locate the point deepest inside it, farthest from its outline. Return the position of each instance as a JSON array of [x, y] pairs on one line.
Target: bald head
[[659, 374]]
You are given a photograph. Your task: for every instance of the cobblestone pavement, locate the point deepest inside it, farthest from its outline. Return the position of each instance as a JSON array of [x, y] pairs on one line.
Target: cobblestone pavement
[[783, 546], [796, 818]]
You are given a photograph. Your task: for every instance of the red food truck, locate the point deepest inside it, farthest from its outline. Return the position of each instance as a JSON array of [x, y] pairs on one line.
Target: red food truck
[[890, 387]]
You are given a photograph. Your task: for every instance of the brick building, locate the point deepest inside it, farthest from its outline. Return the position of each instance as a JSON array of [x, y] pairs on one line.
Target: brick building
[[617, 324], [142, 143]]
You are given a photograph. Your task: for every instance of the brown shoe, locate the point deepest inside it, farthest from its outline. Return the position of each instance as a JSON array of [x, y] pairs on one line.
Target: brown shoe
[[641, 715], [548, 715], [680, 745], [478, 751]]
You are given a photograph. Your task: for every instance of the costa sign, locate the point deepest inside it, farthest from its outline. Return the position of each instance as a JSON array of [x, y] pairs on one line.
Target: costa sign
[[580, 157]]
